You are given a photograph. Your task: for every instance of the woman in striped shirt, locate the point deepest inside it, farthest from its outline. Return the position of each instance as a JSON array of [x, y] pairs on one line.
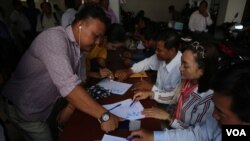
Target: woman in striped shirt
[[193, 96]]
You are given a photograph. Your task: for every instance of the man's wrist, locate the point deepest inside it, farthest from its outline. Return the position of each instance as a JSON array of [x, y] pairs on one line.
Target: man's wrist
[[104, 117]]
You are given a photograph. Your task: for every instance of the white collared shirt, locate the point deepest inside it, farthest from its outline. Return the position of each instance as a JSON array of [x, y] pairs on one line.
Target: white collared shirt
[[198, 22], [168, 75]]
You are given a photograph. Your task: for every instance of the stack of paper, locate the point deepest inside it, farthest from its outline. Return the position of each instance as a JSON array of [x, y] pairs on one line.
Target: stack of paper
[[125, 110], [112, 138], [114, 87]]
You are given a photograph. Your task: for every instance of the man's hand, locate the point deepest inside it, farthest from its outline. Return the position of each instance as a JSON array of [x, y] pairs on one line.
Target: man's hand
[[106, 73], [123, 74], [142, 86], [205, 14], [65, 114], [142, 135], [111, 124], [156, 113], [127, 54]]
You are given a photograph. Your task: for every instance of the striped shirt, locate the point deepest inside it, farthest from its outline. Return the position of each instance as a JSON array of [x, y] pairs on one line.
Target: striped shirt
[[195, 109], [49, 69], [168, 75]]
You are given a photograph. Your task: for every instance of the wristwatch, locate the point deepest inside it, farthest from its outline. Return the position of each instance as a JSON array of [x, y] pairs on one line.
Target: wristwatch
[[104, 117]]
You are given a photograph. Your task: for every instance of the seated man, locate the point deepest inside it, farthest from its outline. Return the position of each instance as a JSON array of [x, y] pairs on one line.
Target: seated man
[[200, 19], [96, 59], [166, 61], [148, 42], [231, 98]]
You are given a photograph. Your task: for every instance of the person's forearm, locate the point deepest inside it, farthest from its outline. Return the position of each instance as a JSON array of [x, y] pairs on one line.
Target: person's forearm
[[80, 99], [94, 74]]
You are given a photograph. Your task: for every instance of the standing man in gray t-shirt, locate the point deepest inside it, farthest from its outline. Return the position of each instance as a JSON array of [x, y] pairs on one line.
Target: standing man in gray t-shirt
[[50, 69]]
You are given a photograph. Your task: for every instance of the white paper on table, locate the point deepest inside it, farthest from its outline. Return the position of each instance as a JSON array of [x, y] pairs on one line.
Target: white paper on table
[[125, 111], [112, 138], [115, 87]]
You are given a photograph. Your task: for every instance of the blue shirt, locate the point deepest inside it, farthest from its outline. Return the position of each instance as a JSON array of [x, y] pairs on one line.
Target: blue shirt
[[208, 131]]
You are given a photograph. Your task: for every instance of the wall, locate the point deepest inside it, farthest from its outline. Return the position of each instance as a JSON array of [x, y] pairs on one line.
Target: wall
[[6, 6], [115, 6], [228, 8], [233, 7], [156, 10], [222, 12]]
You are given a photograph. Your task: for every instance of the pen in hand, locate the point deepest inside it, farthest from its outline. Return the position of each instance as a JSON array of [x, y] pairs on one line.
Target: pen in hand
[[133, 102]]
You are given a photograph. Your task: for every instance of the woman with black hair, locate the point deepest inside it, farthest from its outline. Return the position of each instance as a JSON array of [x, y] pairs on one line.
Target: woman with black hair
[[193, 96], [231, 99]]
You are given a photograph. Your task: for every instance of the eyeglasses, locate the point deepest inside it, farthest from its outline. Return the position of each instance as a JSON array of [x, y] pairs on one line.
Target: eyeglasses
[[199, 48]]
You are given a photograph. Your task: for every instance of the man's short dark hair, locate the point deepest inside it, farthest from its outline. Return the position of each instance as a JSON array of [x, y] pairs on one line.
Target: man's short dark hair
[[45, 3], [91, 11], [233, 82], [171, 8], [69, 3], [116, 33], [171, 39], [204, 2], [151, 32]]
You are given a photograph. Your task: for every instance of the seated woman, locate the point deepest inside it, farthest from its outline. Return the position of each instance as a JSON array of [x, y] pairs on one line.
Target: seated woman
[[192, 96], [231, 99], [96, 59]]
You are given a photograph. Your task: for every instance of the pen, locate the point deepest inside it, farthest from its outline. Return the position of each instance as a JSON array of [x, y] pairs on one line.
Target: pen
[[133, 137], [133, 102], [114, 107]]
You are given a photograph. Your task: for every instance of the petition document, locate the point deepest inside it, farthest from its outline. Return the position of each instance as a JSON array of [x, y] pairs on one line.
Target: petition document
[[124, 110], [114, 87]]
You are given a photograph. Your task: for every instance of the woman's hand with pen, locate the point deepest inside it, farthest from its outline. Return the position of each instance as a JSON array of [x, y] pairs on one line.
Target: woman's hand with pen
[[142, 95], [156, 113]]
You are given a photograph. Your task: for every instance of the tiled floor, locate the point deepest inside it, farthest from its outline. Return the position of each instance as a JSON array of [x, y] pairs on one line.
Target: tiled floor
[[12, 133]]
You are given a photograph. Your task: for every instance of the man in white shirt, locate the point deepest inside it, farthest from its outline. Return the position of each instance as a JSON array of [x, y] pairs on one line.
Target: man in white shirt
[[69, 15], [200, 19], [166, 61], [47, 19], [19, 22]]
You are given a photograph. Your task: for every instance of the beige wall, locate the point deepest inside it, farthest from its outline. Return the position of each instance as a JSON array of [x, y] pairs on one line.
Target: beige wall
[[7, 6], [114, 4], [233, 7], [154, 9], [222, 12], [228, 8]]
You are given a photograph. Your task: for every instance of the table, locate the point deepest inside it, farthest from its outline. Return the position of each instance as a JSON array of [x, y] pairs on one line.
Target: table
[[82, 127]]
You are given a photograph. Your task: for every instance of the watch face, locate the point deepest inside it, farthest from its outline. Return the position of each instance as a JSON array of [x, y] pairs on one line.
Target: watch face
[[105, 117]]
